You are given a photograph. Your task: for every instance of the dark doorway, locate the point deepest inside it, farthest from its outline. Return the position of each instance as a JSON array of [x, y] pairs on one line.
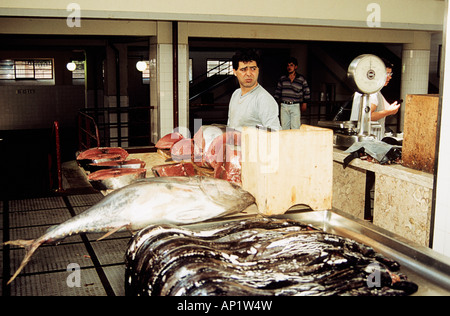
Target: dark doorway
[[139, 100], [24, 163]]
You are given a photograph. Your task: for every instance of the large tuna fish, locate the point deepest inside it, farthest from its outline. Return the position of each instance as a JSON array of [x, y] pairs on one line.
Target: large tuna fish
[[175, 200]]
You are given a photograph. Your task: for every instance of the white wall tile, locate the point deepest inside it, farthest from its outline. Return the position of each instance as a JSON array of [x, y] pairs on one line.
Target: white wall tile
[[415, 74], [441, 240]]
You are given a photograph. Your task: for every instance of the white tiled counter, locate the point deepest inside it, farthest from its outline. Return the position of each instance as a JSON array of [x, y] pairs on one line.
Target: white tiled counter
[[402, 199]]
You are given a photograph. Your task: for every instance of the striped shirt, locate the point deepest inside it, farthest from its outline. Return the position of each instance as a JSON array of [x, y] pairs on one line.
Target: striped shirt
[[296, 91]]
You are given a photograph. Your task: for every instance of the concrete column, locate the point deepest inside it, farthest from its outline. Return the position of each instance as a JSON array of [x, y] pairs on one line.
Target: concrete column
[[183, 79], [441, 237], [154, 95], [113, 77], [161, 81], [94, 80], [415, 68]]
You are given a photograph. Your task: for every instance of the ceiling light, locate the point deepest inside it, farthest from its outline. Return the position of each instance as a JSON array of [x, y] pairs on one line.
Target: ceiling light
[[71, 66], [141, 65]]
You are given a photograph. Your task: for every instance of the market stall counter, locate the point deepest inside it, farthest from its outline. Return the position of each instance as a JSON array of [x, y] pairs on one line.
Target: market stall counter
[[401, 201]]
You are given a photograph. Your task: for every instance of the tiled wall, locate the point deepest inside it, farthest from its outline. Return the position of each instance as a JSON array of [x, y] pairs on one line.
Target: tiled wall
[[165, 88], [183, 93], [161, 96], [415, 74], [416, 70], [35, 107]]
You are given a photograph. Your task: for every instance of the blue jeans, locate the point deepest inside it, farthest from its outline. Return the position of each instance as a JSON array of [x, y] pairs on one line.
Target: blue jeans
[[290, 116]]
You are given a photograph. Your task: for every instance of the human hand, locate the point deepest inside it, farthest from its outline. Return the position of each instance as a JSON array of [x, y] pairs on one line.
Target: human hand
[[392, 109], [303, 107]]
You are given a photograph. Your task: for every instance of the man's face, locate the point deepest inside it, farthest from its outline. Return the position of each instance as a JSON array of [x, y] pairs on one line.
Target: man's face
[[247, 74], [291, 68]]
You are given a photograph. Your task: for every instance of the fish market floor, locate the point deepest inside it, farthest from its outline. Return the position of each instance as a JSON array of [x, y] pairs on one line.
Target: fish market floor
[[79, 266]]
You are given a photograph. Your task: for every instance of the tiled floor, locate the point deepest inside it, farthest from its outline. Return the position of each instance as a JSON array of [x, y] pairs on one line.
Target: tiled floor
[[78, 266]]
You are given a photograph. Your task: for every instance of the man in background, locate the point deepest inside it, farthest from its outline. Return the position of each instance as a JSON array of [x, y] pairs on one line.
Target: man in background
[[292, 91]]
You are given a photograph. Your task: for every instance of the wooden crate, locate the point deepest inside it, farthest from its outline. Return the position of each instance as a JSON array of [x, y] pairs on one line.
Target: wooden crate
[[419, 132], [287, 168]]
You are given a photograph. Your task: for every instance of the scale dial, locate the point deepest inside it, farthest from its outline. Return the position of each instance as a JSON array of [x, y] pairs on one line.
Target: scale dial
[[367, 73]]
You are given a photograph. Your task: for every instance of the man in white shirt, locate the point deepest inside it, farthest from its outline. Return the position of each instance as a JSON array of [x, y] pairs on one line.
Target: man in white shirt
[[380, 108], [251, 104]]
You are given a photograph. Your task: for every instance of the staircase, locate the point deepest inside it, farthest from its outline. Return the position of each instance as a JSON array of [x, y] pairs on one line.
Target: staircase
[[209, 81], [204, 93], [207, 85]]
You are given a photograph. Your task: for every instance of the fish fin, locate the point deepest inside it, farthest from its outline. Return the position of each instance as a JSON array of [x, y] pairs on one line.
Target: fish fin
[[30, 247], [20, 242], [115, 230], [51, 228]]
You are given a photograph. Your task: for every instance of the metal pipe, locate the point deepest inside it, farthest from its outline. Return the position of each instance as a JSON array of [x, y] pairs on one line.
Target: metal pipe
[[364, 116], [175, 72], [58, 155], [119, 127], [84, 118]]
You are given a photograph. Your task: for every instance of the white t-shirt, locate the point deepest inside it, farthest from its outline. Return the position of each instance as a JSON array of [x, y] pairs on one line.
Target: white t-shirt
[[256, 107], [375, 98]]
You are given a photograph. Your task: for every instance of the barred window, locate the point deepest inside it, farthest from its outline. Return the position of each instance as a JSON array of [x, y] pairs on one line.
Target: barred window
[[7, 71], [146, 73], [78, 73], [219, 67], [26, 69]]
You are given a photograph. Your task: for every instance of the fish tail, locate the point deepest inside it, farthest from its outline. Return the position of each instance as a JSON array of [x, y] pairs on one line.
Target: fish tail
[[30, 247]]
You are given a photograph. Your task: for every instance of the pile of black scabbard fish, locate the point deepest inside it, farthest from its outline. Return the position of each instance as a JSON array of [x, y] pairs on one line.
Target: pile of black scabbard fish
[[257, 257]]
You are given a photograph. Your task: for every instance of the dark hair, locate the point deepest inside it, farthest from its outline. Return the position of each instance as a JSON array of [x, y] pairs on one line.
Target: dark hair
[[292, 60], [387, 63], [245, 56]]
